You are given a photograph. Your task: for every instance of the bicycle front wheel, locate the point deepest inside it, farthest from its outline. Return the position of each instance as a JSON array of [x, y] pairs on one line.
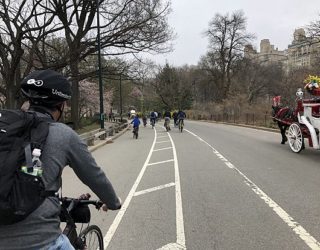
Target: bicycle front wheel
[[92, 238]]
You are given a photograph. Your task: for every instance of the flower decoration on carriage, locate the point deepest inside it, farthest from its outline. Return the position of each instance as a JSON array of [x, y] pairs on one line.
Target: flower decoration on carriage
[[312, 84]]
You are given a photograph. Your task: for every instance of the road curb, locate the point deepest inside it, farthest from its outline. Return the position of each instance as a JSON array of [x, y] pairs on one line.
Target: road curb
[[107, 140], [242, 125]]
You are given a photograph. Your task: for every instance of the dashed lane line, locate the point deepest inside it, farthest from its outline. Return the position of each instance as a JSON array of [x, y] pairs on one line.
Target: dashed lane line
[[180, 240], [160, 149], [120, 214], [162, 142], [295, 226], [149, 190], [160, 162], [163, 136]]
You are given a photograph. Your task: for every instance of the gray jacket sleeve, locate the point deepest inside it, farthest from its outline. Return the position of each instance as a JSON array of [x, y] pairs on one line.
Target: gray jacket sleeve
[[86, 168]]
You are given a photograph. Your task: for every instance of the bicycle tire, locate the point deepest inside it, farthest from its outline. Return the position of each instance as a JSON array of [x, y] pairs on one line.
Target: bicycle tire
[[95, 243]]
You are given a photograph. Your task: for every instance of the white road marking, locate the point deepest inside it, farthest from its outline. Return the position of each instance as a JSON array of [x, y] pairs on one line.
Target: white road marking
[[172, 246], [160, 162], [162, 141], [180, 244], [181, 239], [163, 136], [295, 226], [126, 203], [160, 149], [149, 190]]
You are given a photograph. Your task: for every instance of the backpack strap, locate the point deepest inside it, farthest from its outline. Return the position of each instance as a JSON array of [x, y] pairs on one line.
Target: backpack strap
[[38, 136], [28, 153], [48, 193], [42, 110]]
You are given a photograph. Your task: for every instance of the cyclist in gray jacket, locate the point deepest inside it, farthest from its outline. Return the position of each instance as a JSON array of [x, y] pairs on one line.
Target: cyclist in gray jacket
[[47, 92]]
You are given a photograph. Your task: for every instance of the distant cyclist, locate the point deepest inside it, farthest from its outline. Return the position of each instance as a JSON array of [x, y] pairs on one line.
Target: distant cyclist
[[181, 115], [144, 120], [153, 117], [175, 118], [167, 117], [136, 124]]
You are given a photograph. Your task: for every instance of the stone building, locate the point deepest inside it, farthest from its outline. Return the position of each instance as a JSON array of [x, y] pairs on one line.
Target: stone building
[[267, 54], [302, 52]]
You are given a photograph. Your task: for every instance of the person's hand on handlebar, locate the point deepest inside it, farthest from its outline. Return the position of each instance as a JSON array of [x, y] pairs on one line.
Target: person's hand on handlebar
[[105, 207]]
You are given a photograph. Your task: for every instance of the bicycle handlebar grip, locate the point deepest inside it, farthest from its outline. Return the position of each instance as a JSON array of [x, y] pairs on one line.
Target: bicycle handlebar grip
[[84, 196]]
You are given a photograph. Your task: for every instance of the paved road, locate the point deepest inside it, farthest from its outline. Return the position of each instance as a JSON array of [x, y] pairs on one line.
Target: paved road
[[213, 186]]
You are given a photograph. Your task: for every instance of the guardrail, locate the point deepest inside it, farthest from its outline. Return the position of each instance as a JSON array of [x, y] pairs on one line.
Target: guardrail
[[102, 134]]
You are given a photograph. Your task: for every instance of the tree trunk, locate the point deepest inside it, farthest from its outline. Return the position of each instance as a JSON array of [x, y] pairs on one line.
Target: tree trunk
[[11, 92], [75, 93]]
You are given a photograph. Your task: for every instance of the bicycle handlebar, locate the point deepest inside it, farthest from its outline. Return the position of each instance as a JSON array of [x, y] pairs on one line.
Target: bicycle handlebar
[[76, 201]]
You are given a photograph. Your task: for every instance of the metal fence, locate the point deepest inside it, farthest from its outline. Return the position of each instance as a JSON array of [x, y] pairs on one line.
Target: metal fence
[[254, 119]]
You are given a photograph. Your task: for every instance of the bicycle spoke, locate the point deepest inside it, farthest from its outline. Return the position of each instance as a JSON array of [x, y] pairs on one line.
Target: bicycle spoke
[[93, 242]]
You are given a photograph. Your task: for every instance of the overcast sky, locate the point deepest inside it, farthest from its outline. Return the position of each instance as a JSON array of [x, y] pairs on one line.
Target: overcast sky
[[275, 20]]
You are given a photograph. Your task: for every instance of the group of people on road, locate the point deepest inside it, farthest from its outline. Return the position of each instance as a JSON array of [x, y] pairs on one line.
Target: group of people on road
[[177, 118], [47, 93]]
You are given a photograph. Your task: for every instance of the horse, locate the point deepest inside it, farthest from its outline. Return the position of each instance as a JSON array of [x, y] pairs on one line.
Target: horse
[[283, 116]]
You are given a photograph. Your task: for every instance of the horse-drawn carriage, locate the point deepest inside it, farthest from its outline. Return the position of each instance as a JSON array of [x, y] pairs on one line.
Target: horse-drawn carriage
[[303, 121]]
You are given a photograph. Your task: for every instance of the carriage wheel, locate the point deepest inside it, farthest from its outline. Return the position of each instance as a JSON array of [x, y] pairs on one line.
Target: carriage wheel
[[295, 138]]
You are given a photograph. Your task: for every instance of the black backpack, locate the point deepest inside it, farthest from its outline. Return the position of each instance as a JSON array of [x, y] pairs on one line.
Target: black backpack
[[20, 193]]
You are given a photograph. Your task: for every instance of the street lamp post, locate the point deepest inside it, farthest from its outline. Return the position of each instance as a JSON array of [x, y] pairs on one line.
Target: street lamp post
[[100, 70], [120, 90]]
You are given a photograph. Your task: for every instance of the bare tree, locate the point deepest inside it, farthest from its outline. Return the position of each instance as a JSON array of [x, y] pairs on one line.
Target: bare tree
[[127, 26], [21, 20], [31, 37], [259, 80], [171, 86], [227, 38], [313, 29]]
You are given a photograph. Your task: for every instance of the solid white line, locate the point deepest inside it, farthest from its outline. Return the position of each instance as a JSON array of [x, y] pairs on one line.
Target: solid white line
[[160, 162], [161, 149], [162, 141], [295, 226], [149, 190], [107, 238], [181, 239]]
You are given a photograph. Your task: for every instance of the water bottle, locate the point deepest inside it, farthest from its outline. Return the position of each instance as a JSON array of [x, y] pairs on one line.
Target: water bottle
[[36, 168], [37, 164]]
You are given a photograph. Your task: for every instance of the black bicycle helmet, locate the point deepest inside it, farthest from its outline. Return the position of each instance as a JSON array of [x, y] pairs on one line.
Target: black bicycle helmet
[[46, 87]]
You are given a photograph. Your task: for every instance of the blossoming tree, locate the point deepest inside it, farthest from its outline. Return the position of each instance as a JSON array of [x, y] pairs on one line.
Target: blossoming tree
[[89, 103]]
